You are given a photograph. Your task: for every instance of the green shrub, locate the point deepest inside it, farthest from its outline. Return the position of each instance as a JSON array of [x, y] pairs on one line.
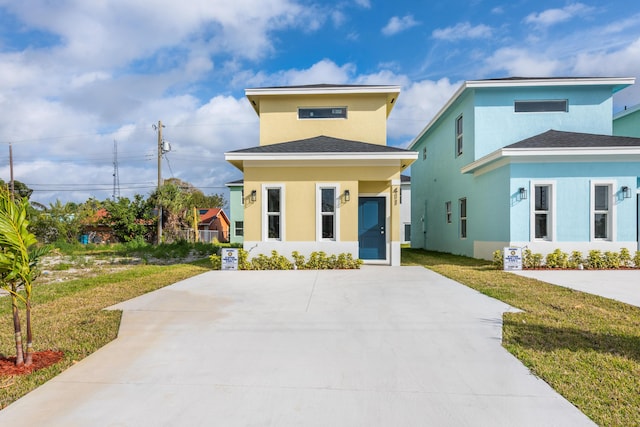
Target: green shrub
[[243, 260], [531, 260], [625, 257], [611, 259], [216, 261], [636, 259], [557, 259], [298, 260], [498, 259], [274, 262], [595, 259], [575, 260]]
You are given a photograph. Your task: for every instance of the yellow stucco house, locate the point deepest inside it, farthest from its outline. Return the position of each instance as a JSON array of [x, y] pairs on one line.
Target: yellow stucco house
[[323, 177]]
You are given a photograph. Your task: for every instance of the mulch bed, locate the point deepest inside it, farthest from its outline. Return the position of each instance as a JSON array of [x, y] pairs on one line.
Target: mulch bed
[[41, 359]]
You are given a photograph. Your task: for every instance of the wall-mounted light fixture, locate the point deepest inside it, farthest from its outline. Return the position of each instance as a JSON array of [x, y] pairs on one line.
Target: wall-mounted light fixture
[[626, 192], [253, 195], [522, 192], [347, 195]]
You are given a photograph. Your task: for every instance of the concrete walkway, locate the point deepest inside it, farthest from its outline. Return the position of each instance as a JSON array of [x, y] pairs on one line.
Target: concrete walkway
[[381, 346], [620, 285]]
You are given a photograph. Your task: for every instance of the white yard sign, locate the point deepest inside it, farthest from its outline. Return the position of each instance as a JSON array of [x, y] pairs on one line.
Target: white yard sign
[[512, 259], [229, 259]]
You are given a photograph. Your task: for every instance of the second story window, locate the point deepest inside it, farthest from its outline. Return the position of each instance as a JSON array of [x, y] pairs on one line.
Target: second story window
[[541, 106], [459, 141], [322, 113]]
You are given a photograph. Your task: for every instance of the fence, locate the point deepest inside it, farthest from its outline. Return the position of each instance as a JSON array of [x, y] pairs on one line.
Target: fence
[[206, 236]]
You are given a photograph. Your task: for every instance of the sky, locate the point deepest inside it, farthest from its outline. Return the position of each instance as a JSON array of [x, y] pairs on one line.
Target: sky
[[84, 84]]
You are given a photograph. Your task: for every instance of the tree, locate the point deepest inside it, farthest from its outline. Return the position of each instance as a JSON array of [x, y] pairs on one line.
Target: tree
[[19, 256], [197, 199], [174, 203], [60, 222], [21, 190], [129, 219]]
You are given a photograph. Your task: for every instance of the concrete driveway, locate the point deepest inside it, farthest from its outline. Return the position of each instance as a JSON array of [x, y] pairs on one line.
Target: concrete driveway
[[620, 285], [381, 346]]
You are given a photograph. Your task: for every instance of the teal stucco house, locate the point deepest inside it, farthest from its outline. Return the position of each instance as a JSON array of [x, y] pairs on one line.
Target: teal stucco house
[[627, 122], [529, 162], [236, 211]]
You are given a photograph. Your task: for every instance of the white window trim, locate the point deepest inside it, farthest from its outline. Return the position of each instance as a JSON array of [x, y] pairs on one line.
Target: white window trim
[[459, 147], [612, 229], [336, 187], [552, 211], [465, 218], [345, 108], [265, 220], [448, 213]]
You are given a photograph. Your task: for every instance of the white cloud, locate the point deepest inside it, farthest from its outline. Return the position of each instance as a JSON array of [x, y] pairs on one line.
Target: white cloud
[[555, 16], [324, 71], [521, 62], [363, 3], [463, 31], [397, 25], [417, 104]]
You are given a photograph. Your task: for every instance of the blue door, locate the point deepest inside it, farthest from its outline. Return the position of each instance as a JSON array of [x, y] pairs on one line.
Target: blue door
[[372, 238]]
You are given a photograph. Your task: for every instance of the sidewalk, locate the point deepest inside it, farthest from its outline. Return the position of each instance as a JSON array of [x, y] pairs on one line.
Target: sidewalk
[[381, 346]]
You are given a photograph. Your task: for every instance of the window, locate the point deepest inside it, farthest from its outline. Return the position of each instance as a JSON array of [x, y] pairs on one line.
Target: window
[[447, 209], [239, 228], [322, 113], [424, 153], [602, 212], [274, 223], [541, 106], [542, 212], [407, 232], [242, 197], [463, 218], [328, 213], [459, 136]]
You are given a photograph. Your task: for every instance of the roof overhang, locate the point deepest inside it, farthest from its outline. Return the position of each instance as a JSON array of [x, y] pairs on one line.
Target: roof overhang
[[391, 91], [400, 159], [561, 154], [618, 83]]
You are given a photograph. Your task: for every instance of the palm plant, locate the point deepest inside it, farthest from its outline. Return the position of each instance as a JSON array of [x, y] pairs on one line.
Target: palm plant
[[19, 256]]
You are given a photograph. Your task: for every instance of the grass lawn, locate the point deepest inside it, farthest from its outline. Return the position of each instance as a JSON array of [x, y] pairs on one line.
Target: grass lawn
[[69, 316], [586, 347]]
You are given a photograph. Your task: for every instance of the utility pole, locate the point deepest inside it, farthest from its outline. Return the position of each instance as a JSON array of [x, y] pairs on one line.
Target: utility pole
[[116, 176], [159, 128], [12, 187]]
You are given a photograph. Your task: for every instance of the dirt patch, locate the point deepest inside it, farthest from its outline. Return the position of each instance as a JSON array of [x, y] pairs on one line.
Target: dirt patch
[[41, 359]]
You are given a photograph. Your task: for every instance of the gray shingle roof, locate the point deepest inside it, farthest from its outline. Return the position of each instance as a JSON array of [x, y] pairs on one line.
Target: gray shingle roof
[[321, 144], [316, 86], [560, 139]]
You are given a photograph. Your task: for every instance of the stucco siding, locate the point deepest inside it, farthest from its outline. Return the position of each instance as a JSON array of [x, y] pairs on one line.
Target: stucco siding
[[628, 124], [497, 125], [366, 118]]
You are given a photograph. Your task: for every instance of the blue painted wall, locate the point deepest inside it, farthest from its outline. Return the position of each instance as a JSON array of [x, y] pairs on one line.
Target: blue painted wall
[[497, 125], [627, 123], [495, 213]]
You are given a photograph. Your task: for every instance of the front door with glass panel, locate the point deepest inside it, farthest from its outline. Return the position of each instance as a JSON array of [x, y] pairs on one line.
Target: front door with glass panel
[[372, 235]]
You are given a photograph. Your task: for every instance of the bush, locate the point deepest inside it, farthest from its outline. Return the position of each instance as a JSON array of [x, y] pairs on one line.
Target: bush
[[636, 259], [531, 260], [595, 259], [611, 259], [498, 259], [557, 259], [317, 261], [625, 257], [575, 260]]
